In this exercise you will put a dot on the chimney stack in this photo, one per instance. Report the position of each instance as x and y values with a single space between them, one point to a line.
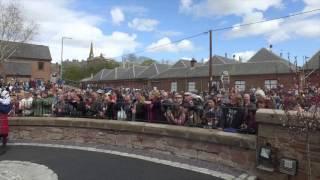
270 47
193 62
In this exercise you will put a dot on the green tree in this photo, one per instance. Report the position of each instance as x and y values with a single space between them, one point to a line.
76 72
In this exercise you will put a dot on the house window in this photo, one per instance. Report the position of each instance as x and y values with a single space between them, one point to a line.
240 85
270 84
174 87
191 86
40 66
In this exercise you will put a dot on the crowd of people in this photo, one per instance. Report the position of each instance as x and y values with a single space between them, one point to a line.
231 110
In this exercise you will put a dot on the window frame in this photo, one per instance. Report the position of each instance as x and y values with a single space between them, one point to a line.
240 85
40 66
269 84
193 85
174 86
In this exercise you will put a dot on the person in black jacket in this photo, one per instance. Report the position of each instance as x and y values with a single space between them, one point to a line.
233 113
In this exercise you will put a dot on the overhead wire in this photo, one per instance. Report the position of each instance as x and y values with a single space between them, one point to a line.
218 29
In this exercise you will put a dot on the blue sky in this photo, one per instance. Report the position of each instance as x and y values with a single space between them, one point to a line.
117 27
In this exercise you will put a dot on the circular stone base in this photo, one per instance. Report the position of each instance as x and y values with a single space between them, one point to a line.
22 170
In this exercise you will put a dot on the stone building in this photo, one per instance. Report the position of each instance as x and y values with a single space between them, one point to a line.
28 61
265 69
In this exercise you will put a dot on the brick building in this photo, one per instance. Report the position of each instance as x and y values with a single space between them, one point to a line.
28 61
265 69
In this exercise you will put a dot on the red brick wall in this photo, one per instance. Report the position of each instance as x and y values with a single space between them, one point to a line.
252 81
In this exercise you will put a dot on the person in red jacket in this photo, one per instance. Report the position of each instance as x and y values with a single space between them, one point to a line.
5 108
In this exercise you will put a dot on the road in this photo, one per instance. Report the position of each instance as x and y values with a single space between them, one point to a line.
71 164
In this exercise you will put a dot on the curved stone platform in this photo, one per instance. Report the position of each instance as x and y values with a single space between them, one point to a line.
213 146
83 165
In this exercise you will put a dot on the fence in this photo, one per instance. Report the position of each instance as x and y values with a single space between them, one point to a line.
193 116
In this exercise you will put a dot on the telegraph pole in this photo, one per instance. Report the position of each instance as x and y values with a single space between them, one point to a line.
210 62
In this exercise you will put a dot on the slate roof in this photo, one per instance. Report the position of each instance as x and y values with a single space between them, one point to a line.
184 63
100 74
267 67
19 69
314 62
222 60
265 55
30 51
153 70
132 73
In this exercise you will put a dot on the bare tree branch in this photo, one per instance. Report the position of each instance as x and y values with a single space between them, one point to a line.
14 29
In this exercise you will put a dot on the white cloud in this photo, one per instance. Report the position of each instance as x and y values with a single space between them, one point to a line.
311 4
55 20
169 33
185 4
146 25
245 55
208 8
249 10
117 16
306 26
166 45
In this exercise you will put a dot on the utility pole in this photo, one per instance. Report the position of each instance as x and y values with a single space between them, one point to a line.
210 62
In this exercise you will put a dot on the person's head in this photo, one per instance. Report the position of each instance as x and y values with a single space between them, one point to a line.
211 103
178 99
233 99
164 95
246 98
187 96
44 94
261 102
27 94
127 98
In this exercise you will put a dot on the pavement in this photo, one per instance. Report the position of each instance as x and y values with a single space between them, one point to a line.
75 164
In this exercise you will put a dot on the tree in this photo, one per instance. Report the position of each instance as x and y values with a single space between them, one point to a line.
14 29
76 72
148 62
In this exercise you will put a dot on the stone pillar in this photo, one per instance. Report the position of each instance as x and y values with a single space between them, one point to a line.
286 145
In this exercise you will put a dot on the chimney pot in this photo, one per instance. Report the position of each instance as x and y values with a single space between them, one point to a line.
193 62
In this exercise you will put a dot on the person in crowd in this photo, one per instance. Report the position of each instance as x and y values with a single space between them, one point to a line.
249 121
5 102
139 107
211 114
177 115
25 104
233 113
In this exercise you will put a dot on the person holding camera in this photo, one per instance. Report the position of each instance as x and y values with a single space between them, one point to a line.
176 113
211 114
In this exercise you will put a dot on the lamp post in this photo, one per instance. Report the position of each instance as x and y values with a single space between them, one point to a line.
63 38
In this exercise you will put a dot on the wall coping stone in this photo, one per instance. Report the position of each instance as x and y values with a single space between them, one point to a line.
279 117
195 134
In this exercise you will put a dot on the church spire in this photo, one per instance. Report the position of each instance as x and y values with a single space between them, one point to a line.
91 56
